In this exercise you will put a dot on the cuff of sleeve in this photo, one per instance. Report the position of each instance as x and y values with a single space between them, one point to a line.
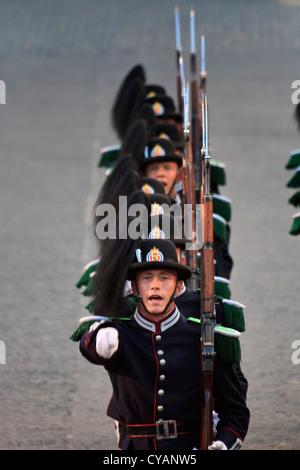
230 438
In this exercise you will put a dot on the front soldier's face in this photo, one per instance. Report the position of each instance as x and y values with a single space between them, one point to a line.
156 286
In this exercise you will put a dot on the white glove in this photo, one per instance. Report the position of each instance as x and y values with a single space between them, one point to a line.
107 342
218 445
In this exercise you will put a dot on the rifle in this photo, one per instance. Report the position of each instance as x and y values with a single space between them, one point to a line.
207 293
178 58
207 255
203 76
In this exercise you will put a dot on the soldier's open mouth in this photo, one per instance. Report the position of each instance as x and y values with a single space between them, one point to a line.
164 183
155 297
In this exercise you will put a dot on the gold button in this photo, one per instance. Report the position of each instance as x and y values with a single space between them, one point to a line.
162 362
161 392
158 338
162 377
160 408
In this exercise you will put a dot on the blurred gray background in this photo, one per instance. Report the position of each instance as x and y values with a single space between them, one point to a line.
62 62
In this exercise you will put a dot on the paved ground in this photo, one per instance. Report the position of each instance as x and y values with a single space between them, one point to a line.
62 62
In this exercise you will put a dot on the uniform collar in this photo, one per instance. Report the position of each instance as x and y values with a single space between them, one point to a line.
163 325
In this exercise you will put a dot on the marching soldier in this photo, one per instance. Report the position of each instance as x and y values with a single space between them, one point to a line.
153 363
155 158
161 161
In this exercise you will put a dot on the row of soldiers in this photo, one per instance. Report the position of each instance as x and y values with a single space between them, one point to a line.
145 333
128 168
293 164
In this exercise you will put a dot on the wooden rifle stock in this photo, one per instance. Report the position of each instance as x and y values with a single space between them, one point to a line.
207 295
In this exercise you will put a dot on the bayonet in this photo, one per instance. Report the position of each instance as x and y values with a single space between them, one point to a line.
203 72
178 58
195 118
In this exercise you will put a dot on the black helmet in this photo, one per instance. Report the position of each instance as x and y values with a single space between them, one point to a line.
158 254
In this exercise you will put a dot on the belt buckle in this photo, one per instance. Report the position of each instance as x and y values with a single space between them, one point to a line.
166 429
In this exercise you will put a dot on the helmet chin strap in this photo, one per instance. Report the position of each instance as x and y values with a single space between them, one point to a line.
172 187
166 307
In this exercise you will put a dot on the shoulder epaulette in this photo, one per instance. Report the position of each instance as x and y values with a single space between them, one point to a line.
88 290
222 206
294 182
233 311
218 175
294 160
219 228
81 330
227 343
234 314
295 227
88 269
85 323
90 306
221 287
108 155
294 200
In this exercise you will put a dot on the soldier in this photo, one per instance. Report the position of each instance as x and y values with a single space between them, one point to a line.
153 362
156 158
161 161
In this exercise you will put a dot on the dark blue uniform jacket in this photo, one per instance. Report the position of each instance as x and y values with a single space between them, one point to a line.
155 375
